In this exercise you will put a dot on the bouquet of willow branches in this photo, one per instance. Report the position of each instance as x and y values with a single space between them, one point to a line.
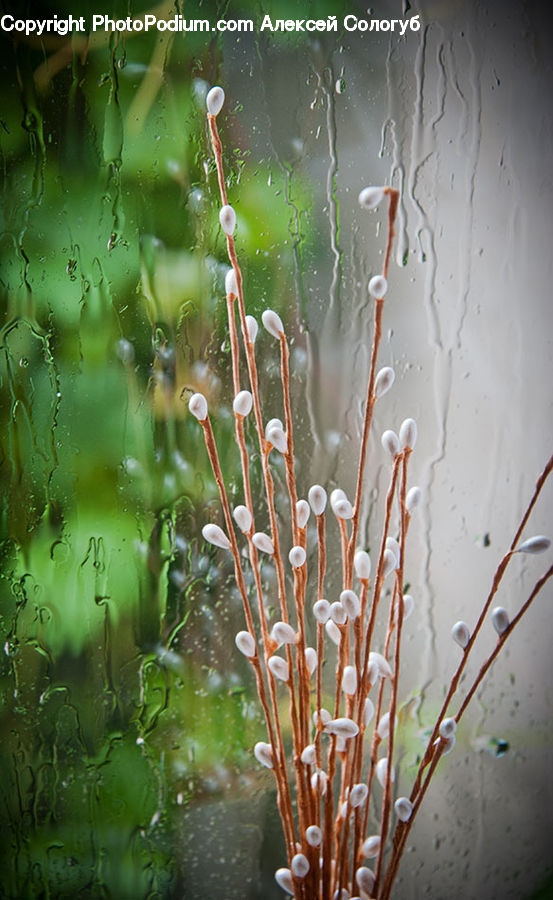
324 786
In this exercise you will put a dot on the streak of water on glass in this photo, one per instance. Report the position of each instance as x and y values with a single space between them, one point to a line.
126 704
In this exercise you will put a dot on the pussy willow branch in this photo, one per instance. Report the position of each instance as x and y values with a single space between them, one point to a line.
342 868
370 398
302 789
289 455
280 570
280 762
348 754
211 447
394 862
350 772
500 571
501 640
372 615
440 746
387 796
321 547
284 799
434 749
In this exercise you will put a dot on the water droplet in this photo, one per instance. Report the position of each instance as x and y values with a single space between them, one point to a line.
498 747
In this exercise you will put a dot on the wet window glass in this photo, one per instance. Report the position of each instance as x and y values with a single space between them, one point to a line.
129 714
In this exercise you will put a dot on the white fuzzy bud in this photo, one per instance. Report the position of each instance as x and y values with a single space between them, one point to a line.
243 403
368 711
251 328
333 632
447 728
370 197
243 518
317 499
537 544
381 771
344 807
362 565
321 611
273 423
342 727
231 285
297 557
373 673
310 659
245 643
349 680
263 753
325 717
500 619
336 496
216 536
371 846
408 434
378 287
392 544
341 507
283 633
338 613
198 407
214 100
460 634
384 668
263 542
351 604
390 442
365 879
300 865
278 667
383 728
319 781
358 795
272 323
413 499
308 755
303 511
314 836
227 218
403 808
408 606
283 878
383 381
389 563
343 510
277 438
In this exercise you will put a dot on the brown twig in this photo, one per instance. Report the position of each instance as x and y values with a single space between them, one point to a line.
387 796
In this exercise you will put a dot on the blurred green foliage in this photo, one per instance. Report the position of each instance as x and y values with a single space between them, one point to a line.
120 695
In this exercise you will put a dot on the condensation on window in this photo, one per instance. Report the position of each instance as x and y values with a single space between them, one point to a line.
128 717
